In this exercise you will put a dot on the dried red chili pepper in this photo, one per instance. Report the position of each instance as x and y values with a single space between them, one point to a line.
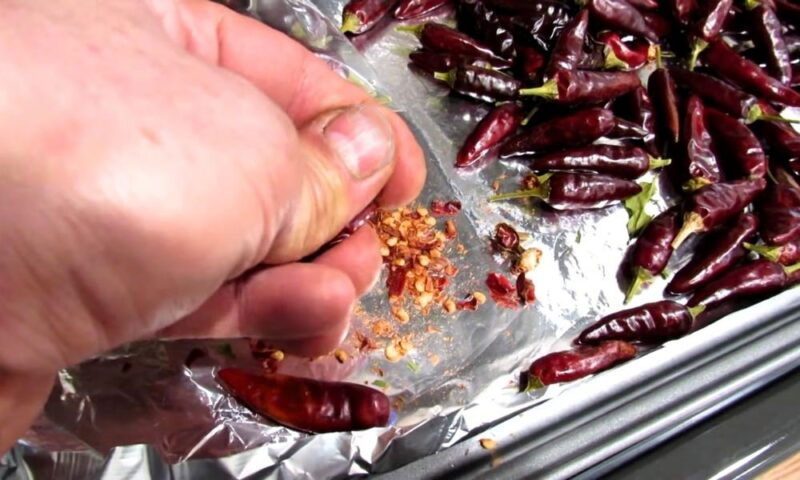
481 22
440 207
620 15
525 290
480 83
651 323
756 278
715 204
530 63
491 131
308 404
637 107
619 55
779 214
576 191
441 38
573 364
717 254
786 254
568 50
767 33
661 88
741 71
469 303
622 161
707 26
699 161
652 249
506 239
358 16
502 291
581 86
577 128
741 145
432 62
409 9
537 22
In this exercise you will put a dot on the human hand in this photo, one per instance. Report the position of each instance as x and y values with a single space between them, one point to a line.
154 151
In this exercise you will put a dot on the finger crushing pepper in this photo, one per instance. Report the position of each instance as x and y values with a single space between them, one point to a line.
410 9
579 362
783 140
432 62
644 4
651 323
752 279
480 83
529 63
739 143
581 86
746 74
707 26
492 130
652 249
715 204
779 213
476 19
441 38
786 254
622 161
539 23
620 15
568 50
767 33
717 254
358 16
700 163
577 128
619 55
307 404
576 191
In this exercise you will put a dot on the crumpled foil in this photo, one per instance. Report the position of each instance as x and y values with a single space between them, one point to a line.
139 412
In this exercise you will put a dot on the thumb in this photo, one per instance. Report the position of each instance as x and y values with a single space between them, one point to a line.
342 161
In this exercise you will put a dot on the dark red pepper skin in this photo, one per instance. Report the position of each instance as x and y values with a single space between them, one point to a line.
756 278
578 128
739 142
540 23
715 257
712 16
782 139
653 248
637 107
367 12
581 191
663 93
432 62
700 163
573 364
622 16
441 38
492 130
481 22
658 24
741 71
307 404
529 63
651 323
788 11
767 33
484 84
683 10
409 9
568 50
622 161
586 87
717 92
779 213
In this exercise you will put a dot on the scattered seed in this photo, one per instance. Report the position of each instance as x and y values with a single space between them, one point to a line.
488 443
341 355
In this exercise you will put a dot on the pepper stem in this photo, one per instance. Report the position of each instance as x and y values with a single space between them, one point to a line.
751 4
695 184
653 52
446 77
641 277
529 116
658 162
613 62
692 223
696 310
659 54
757 113
548 90
413 29
790 269
697 49
541 191
533 384
773 254
350 23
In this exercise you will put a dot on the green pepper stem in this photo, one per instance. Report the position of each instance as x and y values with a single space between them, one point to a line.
641 277
658 162
751 4
697 48
790 269
659 55
534 383
696 310
413 29
612 61
757 113
447 77
773 254
548 90
350 23
695 184
528 117
692 223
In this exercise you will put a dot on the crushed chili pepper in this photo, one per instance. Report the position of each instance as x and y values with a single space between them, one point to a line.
525 290
503 292
441 207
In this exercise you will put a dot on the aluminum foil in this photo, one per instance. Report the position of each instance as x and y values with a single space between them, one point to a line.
139 412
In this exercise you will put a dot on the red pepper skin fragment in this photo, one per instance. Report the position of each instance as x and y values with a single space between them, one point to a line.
756 278
432 62
525 290
568 50
787 254
573 364
366 215
440 207
783 140
577 128
715 204
622 161
571 87
700 163
788 11
491 131
779 212
469 303
767 34
621 15
396 281
741 145
537 23
441 38
481 83
408 9
309 405
502 291
661 88
741 71
683 10
358 16
530 63
506 239
718 92
658 24
715 257
652 249
651 324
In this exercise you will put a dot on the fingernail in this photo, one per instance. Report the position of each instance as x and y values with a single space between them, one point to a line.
363 139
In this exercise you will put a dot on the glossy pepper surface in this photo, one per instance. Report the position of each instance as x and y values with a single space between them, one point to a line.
700 163
651 323
653 249
577 128
573 364
779 214
637 107
622 161
409 9
576 191
358 16
622 16
480 83
492 130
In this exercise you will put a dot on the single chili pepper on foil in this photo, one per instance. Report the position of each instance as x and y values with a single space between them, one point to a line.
441 38
683 10
620 15
579 362
440 207
432 62
663 93
568 50
756 278
622 161
715 204
619 55
308 404
779 213
652 249
651 324
358 16
700 163
492 130
577 128
717 254
572 87
637 107
576 191
738 142
410 9
506 239
726 62
707 27
480 83
786 254
767 34
529 63
476 19
788 11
